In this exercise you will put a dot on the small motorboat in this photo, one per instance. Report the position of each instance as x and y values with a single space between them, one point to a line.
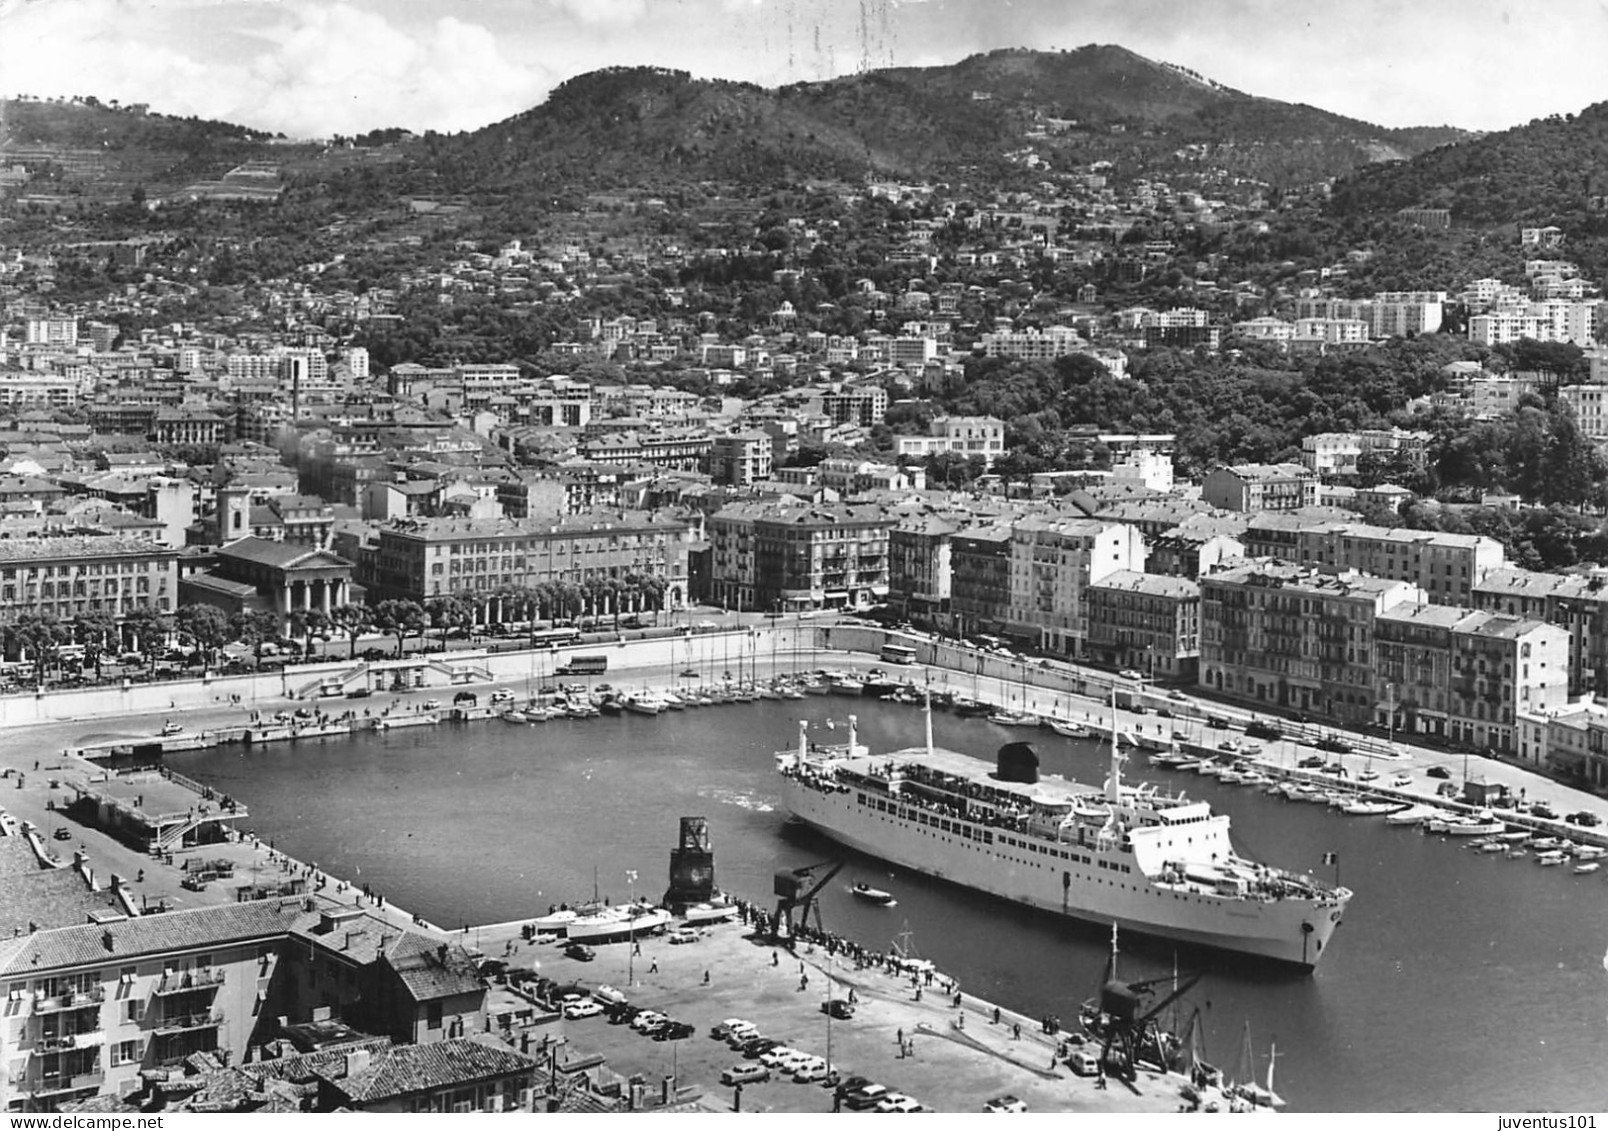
1014 719
1516 853
1069 729
1364 808
1586 869
1550 859
515 716
1414 815
1590 852
874 895
1491 847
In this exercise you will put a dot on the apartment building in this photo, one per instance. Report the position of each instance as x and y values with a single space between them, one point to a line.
477 558
1576 603
1054 561
1260 487
920 572
1444 566
70 575
980 578
1295 637
741 458
92 1006
1466 675
1147 622
965 435
821 557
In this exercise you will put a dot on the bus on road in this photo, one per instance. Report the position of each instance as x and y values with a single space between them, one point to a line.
898 654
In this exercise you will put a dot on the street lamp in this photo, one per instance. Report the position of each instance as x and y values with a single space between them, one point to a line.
630 969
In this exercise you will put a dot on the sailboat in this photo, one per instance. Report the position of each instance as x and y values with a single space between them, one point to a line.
1247 1091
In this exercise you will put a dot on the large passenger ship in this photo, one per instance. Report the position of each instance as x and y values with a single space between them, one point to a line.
1151 863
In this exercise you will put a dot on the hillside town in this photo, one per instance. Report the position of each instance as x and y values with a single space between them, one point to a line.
1093 416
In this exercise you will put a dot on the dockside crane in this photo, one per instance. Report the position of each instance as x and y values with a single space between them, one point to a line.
796 890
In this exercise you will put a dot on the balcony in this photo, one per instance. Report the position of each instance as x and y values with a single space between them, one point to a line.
78 999
49 1085
68 1042
184 981
188 1023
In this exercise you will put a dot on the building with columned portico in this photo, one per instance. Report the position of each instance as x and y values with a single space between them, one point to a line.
279 577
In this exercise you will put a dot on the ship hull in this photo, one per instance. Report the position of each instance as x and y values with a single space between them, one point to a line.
1291 932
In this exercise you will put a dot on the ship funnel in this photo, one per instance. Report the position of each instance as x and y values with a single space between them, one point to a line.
1018 762
803 738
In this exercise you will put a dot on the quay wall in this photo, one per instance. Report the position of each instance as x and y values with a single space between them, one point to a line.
738 650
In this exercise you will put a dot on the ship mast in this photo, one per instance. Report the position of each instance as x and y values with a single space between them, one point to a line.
928 713
1114 779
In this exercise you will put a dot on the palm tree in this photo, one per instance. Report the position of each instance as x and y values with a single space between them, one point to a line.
41 635
306 622
354 621
147 629
207 626
447 613
255 627
403 617
96 630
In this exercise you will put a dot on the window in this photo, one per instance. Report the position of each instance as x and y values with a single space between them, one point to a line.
433 1015
125 1052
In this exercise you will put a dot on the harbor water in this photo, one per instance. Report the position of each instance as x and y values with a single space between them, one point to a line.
1459 981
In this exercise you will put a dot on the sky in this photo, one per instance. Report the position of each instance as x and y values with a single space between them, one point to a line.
311 68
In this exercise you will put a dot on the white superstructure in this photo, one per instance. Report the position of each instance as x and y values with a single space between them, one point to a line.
1154 864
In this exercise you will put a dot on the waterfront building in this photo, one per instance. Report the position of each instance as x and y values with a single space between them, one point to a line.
68 575
980 578
477 559
280 577
1295 637
1576 603
92 1006
825 556
920 576
1054 560
1146 622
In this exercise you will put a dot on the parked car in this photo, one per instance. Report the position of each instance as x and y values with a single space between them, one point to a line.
673 1031
575 1010
646 1018
756 1047
852 1084
1332 744
1007 1103
1543 810
1310 762
1259 728
745 1074
1129 673
811 1070
1588 820
359 693
897 1101
840 1008
580 952
682 935
1443 772
864 1097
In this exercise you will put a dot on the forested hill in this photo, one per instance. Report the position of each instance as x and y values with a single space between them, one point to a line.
1547 171
639 125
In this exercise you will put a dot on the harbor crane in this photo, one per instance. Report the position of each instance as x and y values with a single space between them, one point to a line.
796 890
1121 1018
